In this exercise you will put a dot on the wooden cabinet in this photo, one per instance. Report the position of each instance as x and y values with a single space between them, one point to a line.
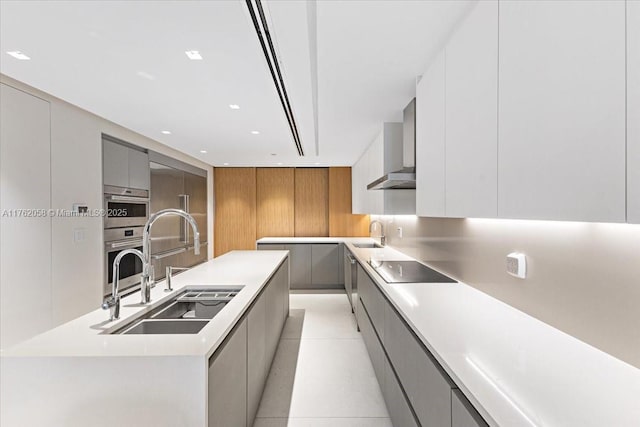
430 140
633 112
124 166
311 202
471 116
235 209
342 223
274 202
463 414
227 383
561 133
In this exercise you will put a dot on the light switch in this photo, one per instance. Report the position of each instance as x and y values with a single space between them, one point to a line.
517 265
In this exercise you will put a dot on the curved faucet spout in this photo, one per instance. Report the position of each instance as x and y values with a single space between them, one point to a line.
146 246
113 303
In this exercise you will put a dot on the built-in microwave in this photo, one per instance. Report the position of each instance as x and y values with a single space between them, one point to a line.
125 207
117 240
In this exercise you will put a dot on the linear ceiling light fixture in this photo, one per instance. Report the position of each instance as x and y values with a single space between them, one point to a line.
262 30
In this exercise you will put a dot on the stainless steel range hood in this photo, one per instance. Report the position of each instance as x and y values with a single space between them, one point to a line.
404 178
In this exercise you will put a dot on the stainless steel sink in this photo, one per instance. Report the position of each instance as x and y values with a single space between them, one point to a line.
187 313
156 326
368 245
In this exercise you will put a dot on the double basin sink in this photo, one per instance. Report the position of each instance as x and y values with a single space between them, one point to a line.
187 313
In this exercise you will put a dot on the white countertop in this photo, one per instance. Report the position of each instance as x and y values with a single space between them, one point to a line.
515 369
85 336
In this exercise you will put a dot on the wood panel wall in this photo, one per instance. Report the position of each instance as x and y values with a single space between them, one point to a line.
342 223
311 202
251 203
235 209
275 202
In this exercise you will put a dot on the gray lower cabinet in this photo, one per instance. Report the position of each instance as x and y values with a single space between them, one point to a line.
463 414
374 348
326 260
397 405
416 389
428 387
313 265
238 370
373 300
228 381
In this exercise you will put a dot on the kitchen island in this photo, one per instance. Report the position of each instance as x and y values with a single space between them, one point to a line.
79 374
513 369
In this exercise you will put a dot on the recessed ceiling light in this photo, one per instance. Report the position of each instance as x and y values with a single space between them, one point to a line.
234 106
18 55
203 151
279 163
255 132
226 164
193 55
316 163
166 132
273 154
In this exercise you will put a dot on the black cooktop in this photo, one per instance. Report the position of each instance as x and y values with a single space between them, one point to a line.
408 272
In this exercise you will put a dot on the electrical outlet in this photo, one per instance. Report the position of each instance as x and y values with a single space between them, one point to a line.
517 265
399 229
78 234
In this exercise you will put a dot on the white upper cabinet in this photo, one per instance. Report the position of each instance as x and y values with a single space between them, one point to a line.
384 155
124 166
430 143
633 111
561 133
472 115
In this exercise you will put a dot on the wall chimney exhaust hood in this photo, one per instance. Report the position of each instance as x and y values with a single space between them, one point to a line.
405 177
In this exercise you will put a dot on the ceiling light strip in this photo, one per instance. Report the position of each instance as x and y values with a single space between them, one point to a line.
262 31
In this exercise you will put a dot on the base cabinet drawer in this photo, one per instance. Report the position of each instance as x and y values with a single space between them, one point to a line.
373 301
428 387
397 405
463 414
374 348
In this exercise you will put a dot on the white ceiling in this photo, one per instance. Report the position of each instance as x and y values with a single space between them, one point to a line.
125 61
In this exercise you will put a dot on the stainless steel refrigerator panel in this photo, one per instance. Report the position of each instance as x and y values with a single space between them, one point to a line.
195 188
167 184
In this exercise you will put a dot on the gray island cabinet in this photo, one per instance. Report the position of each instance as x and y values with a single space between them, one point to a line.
239 367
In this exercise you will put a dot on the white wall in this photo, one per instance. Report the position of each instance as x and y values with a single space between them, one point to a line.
76 176
582 278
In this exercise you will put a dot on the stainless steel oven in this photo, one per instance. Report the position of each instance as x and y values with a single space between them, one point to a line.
117 240
125 207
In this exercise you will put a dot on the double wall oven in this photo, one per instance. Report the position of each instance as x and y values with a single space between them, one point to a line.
126 213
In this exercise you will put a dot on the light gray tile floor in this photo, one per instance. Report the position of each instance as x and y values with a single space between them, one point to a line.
321 375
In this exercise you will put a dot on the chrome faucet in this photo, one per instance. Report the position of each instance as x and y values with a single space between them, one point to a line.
170 271
113 303
383 239
146 247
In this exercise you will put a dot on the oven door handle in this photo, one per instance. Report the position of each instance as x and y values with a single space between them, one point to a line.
128 199
128 243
